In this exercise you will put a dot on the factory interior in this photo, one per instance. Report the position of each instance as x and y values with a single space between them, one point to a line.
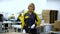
41 17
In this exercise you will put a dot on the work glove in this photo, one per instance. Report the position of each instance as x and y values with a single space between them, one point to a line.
32 26
24 31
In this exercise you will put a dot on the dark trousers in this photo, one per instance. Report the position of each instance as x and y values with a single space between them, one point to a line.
31 31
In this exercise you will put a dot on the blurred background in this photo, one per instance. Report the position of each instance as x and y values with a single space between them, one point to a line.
10 9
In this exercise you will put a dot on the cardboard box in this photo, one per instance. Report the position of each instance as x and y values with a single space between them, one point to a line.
57 25
45 11
46 15
47 21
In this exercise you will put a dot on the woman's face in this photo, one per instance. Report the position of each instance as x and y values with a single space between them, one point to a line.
31 8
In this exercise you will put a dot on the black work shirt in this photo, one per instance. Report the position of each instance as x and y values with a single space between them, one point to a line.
30 20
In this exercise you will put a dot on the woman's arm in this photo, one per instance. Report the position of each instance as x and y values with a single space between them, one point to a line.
38 21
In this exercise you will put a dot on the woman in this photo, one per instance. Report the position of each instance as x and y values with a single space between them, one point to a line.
30 20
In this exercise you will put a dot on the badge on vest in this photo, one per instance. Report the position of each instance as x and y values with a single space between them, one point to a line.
26 17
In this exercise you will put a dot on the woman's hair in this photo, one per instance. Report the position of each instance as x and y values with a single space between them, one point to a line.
33 6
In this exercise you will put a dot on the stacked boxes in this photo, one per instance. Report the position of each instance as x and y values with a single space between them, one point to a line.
49 15
53 15
46 16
